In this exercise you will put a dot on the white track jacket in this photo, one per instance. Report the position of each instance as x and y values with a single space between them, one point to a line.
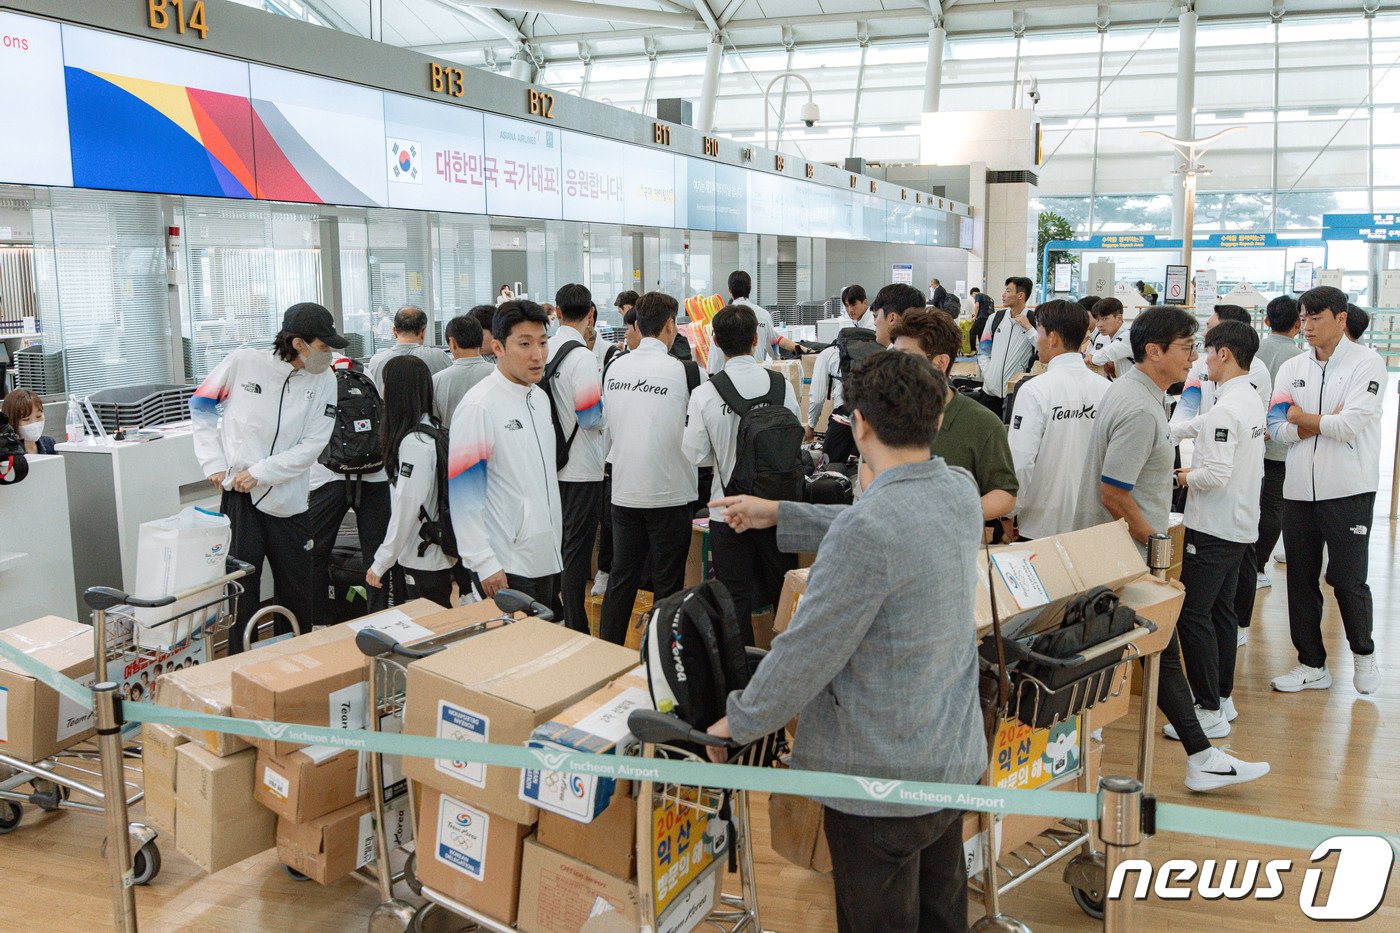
578 394
413 491
501 483
275 422
1227 465
646 398
1199 393
1345 459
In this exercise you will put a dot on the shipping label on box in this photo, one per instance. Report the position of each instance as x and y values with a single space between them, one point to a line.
73 717
394 623
462 833
462 725
1026 758
1018 573
576 796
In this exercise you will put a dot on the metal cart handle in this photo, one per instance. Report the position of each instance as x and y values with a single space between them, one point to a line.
1019 652
374 643
102 598
655 728
512 601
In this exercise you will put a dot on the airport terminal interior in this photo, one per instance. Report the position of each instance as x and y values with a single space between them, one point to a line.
339 592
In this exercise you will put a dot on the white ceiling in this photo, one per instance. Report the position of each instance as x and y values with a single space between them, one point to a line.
569 29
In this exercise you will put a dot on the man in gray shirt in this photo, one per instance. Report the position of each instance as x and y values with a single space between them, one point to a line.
464 338
881 656
1129 476
410 326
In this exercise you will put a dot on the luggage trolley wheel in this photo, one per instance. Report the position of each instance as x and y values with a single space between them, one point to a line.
294 874
10 815
1088 903
145 863
1086 875
57 793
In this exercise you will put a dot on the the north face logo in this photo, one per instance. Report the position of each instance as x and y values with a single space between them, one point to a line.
252 387
1358 530
1299 383
1016 423
880 790
514 425
1373 387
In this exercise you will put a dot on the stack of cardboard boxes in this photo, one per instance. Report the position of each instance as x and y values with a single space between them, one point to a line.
36 721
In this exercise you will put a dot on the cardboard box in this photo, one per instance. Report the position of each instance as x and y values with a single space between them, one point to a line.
35 720
1158 601
471 856
791 370
809 366
608 843
794 586
559 894
763 632
1016 830
158 771
219 823
823 419
1035 580
1176 530
330 846
640 607
497 687
795 831
310 783
327 684
596 724
208 687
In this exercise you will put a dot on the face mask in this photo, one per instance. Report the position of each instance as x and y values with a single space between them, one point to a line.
32 432
317 361
552 327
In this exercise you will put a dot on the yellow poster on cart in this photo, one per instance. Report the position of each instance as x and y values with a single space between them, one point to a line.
685 843
1026 758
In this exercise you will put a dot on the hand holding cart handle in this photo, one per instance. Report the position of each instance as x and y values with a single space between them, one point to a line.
657 728
374 643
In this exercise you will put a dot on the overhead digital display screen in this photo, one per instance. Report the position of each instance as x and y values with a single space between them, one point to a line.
593 179
522 168
434 156
732 198
649 198
31 58
317 140
700 188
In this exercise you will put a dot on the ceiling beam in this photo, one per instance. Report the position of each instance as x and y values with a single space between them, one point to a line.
703 8
603 11
486 17
332 16
730 9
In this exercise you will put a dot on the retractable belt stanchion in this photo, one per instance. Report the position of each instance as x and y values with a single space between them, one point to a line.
107 705
1159 560
1121 809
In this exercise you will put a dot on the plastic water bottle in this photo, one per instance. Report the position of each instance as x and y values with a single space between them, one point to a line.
74 423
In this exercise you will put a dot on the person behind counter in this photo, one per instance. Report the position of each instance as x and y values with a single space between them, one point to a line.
278 413
25 412
870 634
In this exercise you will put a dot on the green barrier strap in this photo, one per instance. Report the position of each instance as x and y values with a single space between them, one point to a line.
1247 827
1060 805
47 675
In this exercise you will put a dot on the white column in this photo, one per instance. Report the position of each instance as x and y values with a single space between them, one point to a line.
1185 104
933 75
709 90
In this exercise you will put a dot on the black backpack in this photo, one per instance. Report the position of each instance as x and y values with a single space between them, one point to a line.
437 532
768 446
353 449
561 443
694 654
854 344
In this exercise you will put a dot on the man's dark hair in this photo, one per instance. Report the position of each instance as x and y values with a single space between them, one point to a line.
935 332
740 284
1069 319
410 319
1282 314
628 297
283 348
1106 307
465 331
654 309
1087 302
851 294
1232 313
896 299
1022 284
513 312
1323 298
900 395
629 319
574 301
1160 326
1357 322
485 315
975 291
735 329
1239 338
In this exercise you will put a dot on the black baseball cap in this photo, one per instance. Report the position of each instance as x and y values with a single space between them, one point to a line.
309 320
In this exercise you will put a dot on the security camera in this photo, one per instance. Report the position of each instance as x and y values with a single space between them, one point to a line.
811 113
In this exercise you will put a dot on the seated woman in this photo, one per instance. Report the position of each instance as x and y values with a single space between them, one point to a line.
410 443
26 414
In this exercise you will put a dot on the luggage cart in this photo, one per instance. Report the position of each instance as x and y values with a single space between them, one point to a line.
200 626
388 681
1031 702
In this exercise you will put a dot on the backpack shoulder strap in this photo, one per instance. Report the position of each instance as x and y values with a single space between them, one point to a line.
551 369
727 391
692 375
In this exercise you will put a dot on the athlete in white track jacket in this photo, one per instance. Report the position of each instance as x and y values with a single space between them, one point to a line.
1227 464
826 373
1051 427
413 492
1199 394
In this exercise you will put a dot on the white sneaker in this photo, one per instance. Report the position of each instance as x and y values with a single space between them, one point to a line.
1262 582
1213 723
1227 708
1279 556
1216 769
600 584
1368 674
1303 677
1241 637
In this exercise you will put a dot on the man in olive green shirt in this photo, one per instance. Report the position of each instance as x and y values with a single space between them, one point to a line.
972 437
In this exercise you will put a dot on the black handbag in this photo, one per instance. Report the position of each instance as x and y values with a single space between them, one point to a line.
1089 620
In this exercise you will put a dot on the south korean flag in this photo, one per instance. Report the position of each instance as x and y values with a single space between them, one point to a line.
403 156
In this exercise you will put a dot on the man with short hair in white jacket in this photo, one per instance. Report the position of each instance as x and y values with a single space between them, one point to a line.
749 565
826 371
1222 510
278 411
502 486
1327 406
1053 422
646 394
740 288
577 398
1199 391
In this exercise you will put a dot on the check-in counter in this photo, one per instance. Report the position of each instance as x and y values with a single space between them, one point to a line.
36 548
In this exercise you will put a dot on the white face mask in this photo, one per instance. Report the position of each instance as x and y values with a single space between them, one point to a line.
317 361
32 432
552 327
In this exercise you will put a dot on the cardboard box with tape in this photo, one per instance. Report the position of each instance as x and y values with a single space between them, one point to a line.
498 687
310 783
471 856
158 773
593 606
334 844
609 842
36 721
794 586
218 822
559 894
